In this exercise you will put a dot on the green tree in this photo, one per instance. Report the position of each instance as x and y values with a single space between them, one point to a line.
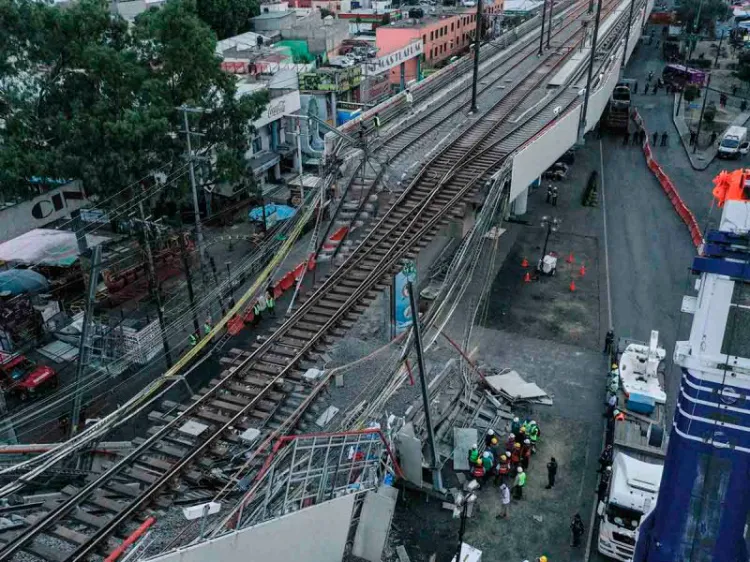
710 114
228 17
711 11
692 92
86 96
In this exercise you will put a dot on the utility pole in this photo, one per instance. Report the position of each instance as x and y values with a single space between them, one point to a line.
437 479
477 41
582 122
541 35
83 344
549 26
718 51
627 35
189 281
153 287
299 163
703 109
191 166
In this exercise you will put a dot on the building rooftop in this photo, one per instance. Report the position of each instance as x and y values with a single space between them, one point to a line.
427 19
273 16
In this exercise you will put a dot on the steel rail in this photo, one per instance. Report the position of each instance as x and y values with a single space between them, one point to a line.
377 272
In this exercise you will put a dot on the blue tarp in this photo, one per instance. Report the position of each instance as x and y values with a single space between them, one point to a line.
19 281
274 213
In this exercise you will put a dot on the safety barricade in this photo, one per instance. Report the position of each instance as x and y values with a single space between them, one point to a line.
685 214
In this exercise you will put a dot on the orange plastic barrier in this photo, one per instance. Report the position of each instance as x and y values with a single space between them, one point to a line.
669 188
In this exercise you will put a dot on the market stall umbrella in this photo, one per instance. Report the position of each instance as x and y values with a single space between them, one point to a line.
19 281
273 212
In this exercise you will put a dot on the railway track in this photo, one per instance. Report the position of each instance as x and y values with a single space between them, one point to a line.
192 439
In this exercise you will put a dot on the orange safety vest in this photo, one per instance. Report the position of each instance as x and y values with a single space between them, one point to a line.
503 468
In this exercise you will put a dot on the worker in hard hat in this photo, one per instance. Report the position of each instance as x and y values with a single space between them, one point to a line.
487 462
503 469
576 529
519 483
526 453
515 455
477 470
609 341
515 425
604 483
489 437
534 434
542 559
473 455
521 435
510 442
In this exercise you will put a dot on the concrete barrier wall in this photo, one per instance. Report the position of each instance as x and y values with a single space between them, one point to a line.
314 534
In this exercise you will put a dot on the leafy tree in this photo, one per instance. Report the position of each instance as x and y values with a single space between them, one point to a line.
228 17
710 114
711 11
86 96
692 92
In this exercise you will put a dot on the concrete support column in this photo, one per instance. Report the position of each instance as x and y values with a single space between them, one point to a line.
402 69
520 203
419 68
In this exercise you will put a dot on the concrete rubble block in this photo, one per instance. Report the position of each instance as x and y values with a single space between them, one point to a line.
326 416
463 439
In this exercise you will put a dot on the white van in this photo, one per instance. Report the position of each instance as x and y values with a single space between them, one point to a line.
734 143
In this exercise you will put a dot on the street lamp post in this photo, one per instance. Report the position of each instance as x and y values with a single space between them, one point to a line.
541 36
592 54
463 503
552 224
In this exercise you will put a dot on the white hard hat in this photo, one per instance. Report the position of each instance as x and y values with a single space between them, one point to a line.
609 469
490 432
511 436
486 454
527 442
532 422
515 419
474 446
507 454
520 469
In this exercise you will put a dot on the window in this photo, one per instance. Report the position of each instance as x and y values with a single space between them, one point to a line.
257 144
431 35
424 38
451 27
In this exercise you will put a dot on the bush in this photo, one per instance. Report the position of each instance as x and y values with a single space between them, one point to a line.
702 63
692 92
710 114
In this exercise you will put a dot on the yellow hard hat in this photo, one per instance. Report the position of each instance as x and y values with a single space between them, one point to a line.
517 445
503 458
542 559
523 429
494 441
479 462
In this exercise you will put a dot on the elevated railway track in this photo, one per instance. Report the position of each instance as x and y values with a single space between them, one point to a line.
191 439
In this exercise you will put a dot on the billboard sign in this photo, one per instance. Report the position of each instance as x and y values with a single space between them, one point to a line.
386 62
402 306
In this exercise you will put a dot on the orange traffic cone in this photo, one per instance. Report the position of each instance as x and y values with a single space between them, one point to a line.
582 271
525 263
570 258
572 286
527 278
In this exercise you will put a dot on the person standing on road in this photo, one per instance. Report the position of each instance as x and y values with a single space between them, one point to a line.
551 473
625 137
656 138
643 136
409 101
193 339
504 501
604 479
645 88
519 483
554 197
376 122
664 137
655 89
650 76
270 302
609 339
605 459
577 529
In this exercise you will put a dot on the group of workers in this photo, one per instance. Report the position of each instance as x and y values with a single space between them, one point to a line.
265 304
506 462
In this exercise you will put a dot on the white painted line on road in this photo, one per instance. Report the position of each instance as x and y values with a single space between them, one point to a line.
606 244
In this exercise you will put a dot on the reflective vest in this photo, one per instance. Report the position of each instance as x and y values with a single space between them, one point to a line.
477 471
515 456
256 309
521 479
534 433
473 456
269 302
503 468
192 340
487 463
207 328
376 120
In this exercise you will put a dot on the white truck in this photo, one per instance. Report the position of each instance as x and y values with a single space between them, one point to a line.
734 143
639 447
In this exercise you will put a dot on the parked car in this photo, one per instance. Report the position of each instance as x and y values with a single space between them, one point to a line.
21 377
558 172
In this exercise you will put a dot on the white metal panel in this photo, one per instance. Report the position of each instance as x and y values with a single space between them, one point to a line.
599 99
542 152
319 534
374 525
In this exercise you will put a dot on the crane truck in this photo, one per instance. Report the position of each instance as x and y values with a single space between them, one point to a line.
638 444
